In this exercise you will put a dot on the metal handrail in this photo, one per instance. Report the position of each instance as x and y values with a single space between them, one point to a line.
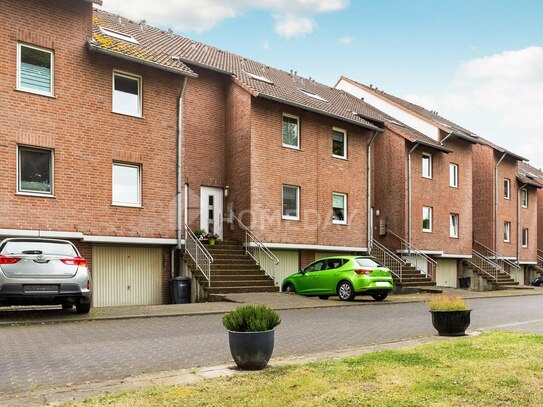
484 265
198 253
254 248
431 264
388 258
497 258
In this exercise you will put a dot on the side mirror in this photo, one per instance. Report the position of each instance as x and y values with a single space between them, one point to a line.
302 272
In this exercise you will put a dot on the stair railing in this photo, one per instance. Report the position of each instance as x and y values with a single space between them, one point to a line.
484 265
198 253
424 263
540 259
388 258
263 256
502 262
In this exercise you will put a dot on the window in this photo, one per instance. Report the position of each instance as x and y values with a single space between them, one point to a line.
118 35
291 202
524 237
35 171
333 264
426 165
35 70
454 225
126 184
507 188
316 266
339 143
453 175
126 94
426 219
339 206
506 231
291 131
524 197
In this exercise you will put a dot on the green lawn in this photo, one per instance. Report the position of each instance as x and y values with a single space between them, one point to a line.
493 369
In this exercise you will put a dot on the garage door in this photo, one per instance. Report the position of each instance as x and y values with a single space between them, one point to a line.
126 275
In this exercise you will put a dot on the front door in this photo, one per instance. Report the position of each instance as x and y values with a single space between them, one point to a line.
211 200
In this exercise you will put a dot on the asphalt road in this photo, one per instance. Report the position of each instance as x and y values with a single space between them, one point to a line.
59 354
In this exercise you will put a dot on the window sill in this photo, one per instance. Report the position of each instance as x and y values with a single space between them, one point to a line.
426 231
294 219
454 237
128 115
340 223
127 206
340 157
47 95
291 147
425 177
453 186
36 195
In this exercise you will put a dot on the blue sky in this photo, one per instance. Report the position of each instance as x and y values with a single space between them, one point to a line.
477 62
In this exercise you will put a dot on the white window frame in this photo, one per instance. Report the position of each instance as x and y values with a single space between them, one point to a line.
137 78
507 232
454 233
430 210
430 169
344 221
453 175
137 204
52 169
525 237
524 197
291 116
344 132
506 189
287 217
18 84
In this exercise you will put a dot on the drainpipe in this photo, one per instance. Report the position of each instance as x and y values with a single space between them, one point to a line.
496 193
368 192
409 220
519 236
179 169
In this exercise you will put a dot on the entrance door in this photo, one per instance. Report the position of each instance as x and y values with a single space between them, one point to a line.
211 200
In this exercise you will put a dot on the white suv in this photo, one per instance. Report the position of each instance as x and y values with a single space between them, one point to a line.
43 272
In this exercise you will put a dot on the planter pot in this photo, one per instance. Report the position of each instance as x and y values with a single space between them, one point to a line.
251 350
451 323
211 242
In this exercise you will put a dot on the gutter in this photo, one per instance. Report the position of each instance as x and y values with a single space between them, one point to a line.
139 61
519 236
368 192
496 192
409 198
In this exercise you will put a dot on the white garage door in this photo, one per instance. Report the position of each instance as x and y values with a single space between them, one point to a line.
125 275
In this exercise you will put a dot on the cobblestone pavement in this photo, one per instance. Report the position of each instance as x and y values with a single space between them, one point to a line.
64 354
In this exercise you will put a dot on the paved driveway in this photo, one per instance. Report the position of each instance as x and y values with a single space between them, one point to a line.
60 354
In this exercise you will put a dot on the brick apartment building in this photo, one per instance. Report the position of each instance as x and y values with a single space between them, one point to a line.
88 148
478 186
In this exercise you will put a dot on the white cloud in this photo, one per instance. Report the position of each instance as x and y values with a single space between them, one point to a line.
293 17
347 40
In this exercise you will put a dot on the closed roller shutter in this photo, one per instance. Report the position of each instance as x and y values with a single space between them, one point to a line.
126 275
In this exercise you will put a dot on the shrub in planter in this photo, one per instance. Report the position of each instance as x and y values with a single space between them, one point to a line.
251 335
450 315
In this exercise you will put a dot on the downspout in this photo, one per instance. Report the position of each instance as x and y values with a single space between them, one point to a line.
368 192
179 169
519 237
409 175
496 193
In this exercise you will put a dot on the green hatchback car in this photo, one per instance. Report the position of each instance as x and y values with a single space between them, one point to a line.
344 276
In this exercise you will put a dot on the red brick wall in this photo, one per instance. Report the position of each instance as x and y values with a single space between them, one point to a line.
483 195
529 219
507 208
85 135
314 170
539 219
306 257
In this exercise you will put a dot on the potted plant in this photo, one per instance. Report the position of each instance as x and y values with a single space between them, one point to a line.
251 335
211 238
450 315
199 233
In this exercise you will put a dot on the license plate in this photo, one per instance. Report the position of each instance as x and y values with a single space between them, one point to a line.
41 288
382 284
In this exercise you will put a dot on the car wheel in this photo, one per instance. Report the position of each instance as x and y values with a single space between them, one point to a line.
289 288
67 306
380 297
83 308
345 291
324 297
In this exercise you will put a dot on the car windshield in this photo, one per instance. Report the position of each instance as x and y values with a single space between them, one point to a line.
26 247
361 262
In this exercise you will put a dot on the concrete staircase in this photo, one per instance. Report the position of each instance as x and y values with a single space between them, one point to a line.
489 271
233 271
412 277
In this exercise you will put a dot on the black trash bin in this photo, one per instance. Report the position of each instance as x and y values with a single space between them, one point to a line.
180 290
464 282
